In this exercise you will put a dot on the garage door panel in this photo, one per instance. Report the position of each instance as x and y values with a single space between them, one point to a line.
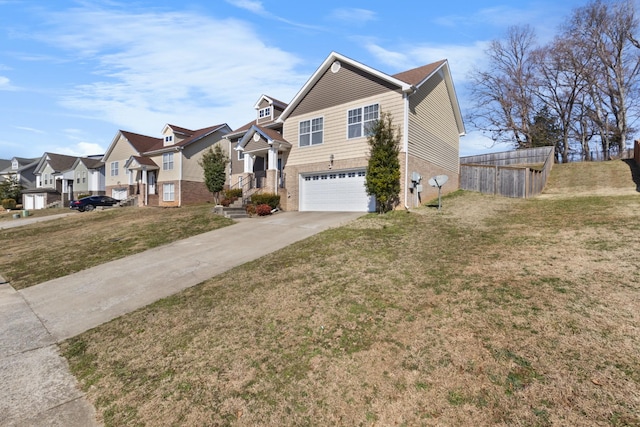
335 191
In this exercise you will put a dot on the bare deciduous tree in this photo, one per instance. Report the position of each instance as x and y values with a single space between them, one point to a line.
606 30
504 94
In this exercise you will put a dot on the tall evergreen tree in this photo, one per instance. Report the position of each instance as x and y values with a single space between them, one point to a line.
214 163
383 169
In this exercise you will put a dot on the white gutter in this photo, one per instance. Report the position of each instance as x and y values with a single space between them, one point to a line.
405 143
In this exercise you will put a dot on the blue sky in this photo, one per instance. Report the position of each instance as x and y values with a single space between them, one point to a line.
72 73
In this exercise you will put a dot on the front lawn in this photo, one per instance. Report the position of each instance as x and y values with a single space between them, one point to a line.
35 253
494 312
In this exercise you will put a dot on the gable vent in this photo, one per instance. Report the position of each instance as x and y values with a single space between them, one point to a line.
335 67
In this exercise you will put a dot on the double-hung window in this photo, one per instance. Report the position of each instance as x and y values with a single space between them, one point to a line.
311 132
265 112
114 168
167 161
360 121
168 192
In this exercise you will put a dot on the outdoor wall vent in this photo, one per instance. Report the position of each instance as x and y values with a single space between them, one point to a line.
335 67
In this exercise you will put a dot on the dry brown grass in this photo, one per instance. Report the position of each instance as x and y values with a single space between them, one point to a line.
35 253
493 312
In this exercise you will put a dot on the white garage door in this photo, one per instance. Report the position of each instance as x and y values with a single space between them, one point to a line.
39 202
29 201
339 191
119 193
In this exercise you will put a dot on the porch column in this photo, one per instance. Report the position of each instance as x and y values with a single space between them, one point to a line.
248 163
145 181
272 169
272 158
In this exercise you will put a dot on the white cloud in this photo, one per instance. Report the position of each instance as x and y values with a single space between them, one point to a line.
353 16
251 6
463 59
80 149
28 129
187 69
5 84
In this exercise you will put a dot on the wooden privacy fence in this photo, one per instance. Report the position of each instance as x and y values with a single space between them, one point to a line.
519 173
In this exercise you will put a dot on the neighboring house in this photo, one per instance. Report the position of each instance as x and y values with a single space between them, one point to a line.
61 178
314 150
161 171
20 168
86 177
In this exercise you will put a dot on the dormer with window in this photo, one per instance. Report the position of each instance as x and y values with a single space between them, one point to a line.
15 164
168 140
268 109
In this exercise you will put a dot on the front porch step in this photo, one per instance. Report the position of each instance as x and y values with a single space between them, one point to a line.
232 212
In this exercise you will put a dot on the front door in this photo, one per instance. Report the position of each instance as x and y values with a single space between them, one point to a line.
152 182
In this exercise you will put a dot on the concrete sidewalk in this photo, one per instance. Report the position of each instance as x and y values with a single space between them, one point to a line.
38 388
12 223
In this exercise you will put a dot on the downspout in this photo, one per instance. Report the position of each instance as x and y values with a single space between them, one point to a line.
405 143
180 180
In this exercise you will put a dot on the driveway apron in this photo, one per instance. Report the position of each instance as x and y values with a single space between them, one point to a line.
36 379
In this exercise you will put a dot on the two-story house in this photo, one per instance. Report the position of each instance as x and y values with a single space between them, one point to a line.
314 150
21 169
60 178
161 171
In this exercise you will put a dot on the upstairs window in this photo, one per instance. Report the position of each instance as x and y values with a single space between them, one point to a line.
264 112
168 138
167 161
114 168
311 132
360 120
240 155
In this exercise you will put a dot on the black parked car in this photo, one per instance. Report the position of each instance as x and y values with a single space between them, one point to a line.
89 203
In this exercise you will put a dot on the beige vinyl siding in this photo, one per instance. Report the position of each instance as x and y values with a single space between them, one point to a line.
191 169
433 134
334 89
120 153
335 130
168 175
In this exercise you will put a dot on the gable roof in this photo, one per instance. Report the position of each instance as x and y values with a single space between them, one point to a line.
141 143
192 136
57 162
334 56
418 75
89 162
407 81
271 100
269 134
4 164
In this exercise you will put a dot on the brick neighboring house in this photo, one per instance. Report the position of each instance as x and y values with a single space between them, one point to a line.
314 150
161 171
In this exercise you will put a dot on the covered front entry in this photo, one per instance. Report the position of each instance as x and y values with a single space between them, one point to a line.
337 191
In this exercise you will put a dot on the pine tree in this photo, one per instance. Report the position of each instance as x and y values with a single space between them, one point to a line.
383 170
214 163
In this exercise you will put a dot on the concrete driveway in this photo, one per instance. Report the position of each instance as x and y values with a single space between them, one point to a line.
38 388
